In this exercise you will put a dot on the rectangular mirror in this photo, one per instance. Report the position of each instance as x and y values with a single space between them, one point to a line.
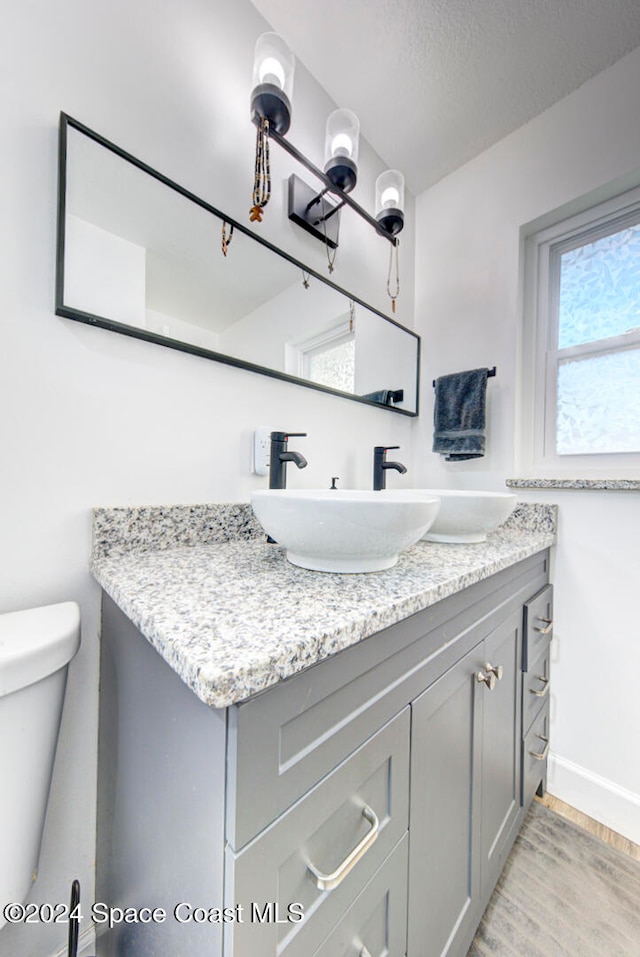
140 255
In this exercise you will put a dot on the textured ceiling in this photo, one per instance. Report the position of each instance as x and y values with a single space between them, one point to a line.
435 82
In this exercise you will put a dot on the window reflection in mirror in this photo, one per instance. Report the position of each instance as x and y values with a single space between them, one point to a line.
140 255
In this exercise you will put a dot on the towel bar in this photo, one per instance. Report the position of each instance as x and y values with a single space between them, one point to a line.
490 374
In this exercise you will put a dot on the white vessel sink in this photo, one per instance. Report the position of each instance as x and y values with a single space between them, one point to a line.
337 530
466 516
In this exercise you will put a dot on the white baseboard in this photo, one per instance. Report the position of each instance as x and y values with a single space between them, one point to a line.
604 801
86 944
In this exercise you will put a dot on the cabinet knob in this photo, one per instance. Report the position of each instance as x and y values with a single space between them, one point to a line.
489 679
497 670
547 625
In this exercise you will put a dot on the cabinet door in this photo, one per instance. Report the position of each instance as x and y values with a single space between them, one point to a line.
444 872
500 755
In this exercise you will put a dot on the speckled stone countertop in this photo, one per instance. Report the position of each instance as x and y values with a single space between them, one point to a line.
232 616
615 485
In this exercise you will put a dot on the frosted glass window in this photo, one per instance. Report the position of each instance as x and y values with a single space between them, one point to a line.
600 289
581 344
598 404
334 366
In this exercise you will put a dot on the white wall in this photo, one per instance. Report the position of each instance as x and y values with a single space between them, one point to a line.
104 274
93 418
469 231
294 314
385 359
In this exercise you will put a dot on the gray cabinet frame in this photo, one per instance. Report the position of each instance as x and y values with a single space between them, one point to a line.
182 786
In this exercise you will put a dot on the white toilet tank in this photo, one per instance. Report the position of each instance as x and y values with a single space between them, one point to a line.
35 648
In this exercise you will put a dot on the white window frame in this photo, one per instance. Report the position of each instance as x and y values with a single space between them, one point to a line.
299 352
539 353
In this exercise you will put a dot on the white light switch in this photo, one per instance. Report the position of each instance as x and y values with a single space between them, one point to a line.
261 449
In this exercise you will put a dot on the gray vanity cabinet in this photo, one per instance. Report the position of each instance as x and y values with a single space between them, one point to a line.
465 791
378 791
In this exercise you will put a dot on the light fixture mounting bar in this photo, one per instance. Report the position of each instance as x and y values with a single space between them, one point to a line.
344 198
313 211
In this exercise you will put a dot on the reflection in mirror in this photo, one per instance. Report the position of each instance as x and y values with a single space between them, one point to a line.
140 255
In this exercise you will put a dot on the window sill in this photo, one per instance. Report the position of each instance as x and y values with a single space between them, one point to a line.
617 485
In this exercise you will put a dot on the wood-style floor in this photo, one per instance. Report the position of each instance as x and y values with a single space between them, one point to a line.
593 827
564 892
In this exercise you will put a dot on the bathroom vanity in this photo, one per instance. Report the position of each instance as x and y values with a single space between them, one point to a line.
308 764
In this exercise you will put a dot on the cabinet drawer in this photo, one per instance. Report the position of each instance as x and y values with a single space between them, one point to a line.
321 852
538 625
376 922
535 688
535 747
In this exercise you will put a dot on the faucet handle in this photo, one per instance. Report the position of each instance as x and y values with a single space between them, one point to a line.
280 436
385 448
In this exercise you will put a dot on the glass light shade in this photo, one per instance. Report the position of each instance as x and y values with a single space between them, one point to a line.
272 89
390 201
341 144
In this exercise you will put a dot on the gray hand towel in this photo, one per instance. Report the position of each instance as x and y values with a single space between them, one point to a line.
459 416
383 396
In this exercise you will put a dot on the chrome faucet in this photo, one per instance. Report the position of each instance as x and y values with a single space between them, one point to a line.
380 465
279 455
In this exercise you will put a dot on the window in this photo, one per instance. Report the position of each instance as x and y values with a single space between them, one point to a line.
581 356
327 358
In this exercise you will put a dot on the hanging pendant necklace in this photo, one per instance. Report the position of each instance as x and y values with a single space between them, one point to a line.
226 237
393 295
331 258
262 174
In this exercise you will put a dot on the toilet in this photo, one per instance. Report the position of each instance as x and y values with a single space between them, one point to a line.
36 647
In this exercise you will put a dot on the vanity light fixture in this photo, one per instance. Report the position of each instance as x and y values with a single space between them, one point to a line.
390 216
341 143
390 201
273 68
316 211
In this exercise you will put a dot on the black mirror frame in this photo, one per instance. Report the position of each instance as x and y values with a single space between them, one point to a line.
67 312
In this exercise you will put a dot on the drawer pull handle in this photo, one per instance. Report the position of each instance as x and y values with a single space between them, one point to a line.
541 756
326 882
548 625
489 679
545 687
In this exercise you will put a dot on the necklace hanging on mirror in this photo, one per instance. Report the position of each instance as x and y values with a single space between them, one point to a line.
305 279
262 173
352 315
226 237
393 295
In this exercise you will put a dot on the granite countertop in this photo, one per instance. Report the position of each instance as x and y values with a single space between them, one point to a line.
603 484
232 616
